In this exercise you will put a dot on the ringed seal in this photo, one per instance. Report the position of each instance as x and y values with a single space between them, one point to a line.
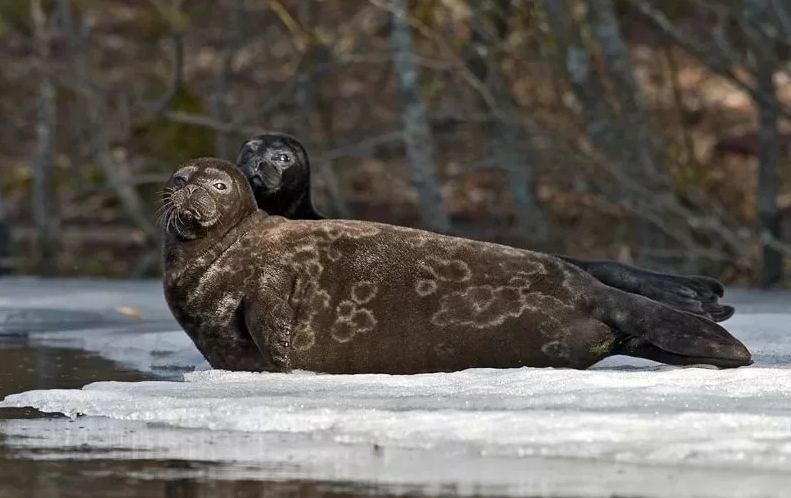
278 169
262 293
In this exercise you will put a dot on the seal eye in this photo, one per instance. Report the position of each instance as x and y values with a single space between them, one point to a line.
179 181
220 186
283 158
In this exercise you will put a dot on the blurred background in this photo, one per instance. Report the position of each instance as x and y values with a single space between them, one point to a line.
651 132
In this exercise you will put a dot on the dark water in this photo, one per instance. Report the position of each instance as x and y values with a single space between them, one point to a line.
24 367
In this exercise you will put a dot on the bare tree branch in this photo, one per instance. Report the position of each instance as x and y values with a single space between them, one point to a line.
638 140
783 14
508 137
718 61
230 46
117 175
309 79
158 107
417 134
361 147
209 122
170 15
464 72
303 91
578 66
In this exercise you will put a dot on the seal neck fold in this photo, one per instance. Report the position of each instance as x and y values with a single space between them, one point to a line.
191 255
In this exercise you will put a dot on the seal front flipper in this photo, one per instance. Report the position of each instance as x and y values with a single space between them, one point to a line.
694 294
267 319
657 332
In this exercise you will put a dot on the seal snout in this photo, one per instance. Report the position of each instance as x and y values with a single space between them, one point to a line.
198 207
270 175
252 170
192 206
192 214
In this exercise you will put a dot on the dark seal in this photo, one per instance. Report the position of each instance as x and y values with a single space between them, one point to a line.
278 169
263 293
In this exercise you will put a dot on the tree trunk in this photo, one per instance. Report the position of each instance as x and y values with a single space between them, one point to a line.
222 145
308 98
637 139
507 136
44 196
770 271
303 91
417 133
577 64
6 263
117 175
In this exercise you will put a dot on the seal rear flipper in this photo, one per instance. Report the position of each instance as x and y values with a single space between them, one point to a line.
643 349
657 332
694 294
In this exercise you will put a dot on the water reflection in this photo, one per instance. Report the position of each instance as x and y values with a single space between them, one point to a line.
28 367
102 479
51 368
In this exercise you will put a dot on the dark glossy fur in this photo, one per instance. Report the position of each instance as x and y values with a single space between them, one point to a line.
280 187
263 293
290 197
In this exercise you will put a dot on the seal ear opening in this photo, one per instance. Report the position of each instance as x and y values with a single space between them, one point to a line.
657 332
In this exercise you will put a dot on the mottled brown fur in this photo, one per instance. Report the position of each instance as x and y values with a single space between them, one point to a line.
258 292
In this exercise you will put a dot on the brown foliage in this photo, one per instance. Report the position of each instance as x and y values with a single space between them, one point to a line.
119 113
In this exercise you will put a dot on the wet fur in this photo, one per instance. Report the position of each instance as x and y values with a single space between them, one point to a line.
695 294
264 293
291 199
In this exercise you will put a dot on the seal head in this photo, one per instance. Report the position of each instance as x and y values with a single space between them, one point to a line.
277 168
200 199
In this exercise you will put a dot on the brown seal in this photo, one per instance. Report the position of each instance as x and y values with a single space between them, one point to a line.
278 169
262 293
